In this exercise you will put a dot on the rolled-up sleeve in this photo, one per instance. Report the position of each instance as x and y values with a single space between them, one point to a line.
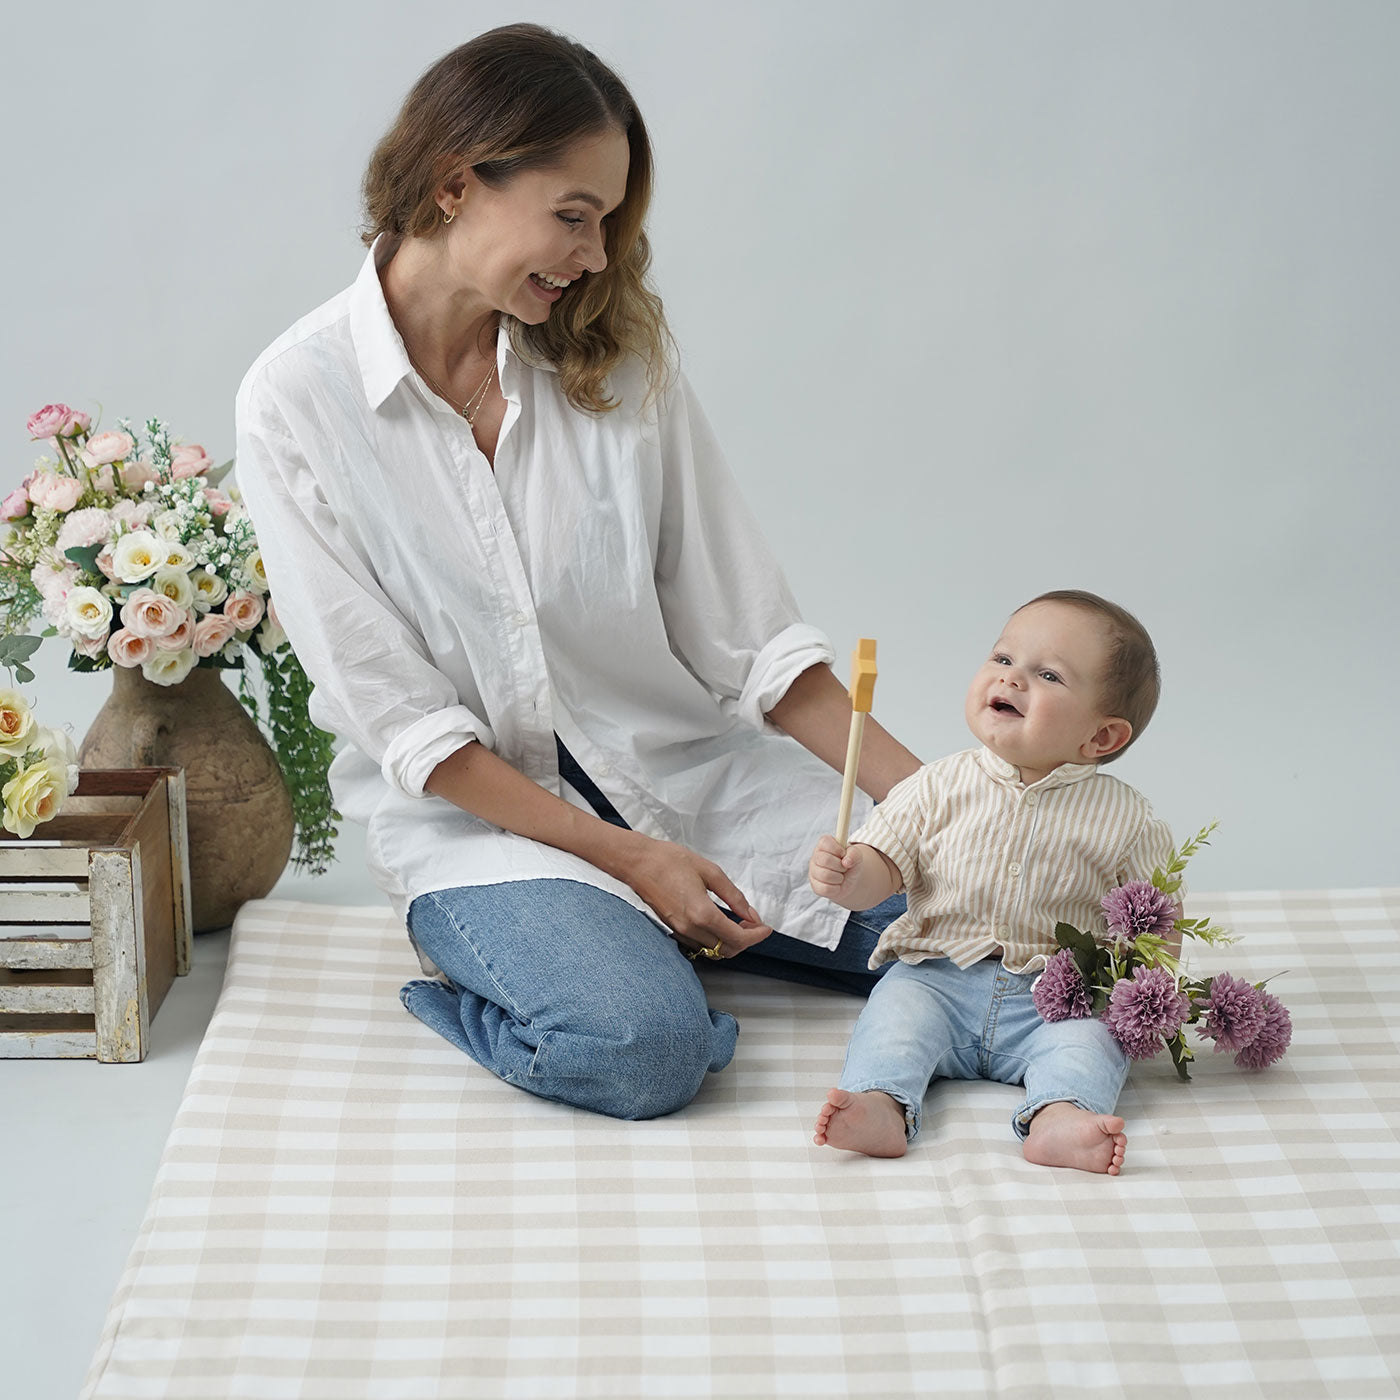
374 682
729 612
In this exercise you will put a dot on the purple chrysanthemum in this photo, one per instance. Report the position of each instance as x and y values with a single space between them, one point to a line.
1059 993
1272 1038
1139 907
1145 1009
1234 1013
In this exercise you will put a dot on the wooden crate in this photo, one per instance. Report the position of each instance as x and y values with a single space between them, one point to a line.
95 919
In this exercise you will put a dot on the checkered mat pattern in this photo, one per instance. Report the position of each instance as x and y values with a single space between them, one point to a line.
347 1208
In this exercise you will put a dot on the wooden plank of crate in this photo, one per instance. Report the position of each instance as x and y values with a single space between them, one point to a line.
46 952
119 956
117 782
40 906
52 991
55 1037
36 861
180 868
150 834
87 829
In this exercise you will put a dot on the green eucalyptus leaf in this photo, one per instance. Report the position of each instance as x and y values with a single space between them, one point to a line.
85 557
17 649
216 474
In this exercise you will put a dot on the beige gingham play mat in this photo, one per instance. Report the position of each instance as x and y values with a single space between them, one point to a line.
348 1208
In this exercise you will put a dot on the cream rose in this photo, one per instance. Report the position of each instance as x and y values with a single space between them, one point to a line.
254 572
151 614
174 582
209 589
168 667
127 649
87 613
16 722
137 556
32 796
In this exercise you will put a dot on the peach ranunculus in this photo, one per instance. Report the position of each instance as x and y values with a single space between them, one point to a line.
56 420
212 633
127 649
136 476
189 460
111 446
219 504
244 610
55 492
151 614
180 638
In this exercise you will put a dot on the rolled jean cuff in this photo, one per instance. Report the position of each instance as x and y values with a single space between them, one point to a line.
913 1112
1021 1119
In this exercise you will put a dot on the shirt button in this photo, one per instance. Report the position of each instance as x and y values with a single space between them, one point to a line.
605 769
1030 799
520 619
1013 869
1004 931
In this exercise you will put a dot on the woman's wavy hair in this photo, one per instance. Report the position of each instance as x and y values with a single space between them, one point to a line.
515 99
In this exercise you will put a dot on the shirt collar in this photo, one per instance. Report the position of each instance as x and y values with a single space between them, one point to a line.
379 347
1005 772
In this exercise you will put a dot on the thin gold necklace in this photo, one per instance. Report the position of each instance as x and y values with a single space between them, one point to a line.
472 407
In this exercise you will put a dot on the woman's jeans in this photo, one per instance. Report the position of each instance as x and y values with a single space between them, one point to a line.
934 1019
571 993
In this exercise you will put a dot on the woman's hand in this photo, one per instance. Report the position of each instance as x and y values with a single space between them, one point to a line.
676 884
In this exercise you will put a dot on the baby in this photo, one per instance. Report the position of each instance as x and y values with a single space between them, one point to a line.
994 845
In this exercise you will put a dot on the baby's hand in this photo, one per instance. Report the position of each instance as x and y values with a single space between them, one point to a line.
830 866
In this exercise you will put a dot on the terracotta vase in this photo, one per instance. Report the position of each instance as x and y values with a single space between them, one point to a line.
240 814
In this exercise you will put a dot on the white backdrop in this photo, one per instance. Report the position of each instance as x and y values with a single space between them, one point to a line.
983 299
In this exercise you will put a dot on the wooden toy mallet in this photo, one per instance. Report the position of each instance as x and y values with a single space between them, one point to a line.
862 697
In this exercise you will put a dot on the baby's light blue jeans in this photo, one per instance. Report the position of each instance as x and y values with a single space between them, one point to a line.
935 1020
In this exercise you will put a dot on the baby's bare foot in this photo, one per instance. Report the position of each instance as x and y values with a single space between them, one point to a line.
1065 1135
872 1123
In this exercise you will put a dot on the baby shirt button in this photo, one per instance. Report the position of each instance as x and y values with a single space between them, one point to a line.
1013 869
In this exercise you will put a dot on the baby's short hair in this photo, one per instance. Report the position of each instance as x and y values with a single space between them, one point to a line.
1132 679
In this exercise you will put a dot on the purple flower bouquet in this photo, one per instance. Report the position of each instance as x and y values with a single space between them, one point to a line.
1129 975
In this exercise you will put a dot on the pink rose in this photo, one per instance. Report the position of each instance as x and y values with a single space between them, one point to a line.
132 514
105 481
108 447
127 649
53 420
104 562
190 460
219 504
15 506
91 646
212 633
180 638
136 474
244 610
78 422
151 614
54 491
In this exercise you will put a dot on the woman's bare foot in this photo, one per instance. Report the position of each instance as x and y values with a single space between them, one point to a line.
871 1122
1065 1135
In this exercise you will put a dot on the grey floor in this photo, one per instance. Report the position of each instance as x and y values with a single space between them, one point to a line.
79 1146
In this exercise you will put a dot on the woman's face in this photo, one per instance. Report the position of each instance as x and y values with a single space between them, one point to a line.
520 246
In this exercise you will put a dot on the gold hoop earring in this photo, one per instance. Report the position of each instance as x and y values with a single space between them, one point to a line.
447 218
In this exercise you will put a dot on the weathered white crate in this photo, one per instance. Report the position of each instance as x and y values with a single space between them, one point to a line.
95 920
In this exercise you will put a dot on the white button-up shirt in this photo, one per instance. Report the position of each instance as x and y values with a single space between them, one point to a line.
605 582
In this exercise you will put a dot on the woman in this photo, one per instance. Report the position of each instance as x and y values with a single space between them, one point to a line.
509 555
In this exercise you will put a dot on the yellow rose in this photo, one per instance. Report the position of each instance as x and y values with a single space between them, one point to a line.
16 722
31 797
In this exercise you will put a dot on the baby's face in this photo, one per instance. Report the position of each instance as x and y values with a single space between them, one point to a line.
1036 700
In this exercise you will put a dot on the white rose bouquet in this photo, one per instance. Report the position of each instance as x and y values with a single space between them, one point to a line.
132 554
38 767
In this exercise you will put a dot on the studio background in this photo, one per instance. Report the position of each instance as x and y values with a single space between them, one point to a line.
982 299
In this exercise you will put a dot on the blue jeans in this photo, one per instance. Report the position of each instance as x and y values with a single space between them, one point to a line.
569 992
936 1020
